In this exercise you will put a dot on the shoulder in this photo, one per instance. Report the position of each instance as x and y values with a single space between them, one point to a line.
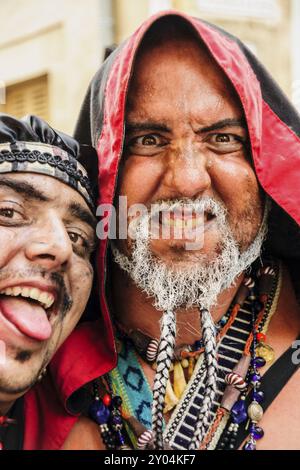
84 435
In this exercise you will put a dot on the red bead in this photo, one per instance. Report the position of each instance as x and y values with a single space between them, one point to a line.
106 399
2 420
261 337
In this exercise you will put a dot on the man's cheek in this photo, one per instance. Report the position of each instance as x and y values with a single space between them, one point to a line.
82 278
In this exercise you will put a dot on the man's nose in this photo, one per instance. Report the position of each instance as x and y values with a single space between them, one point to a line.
187 171
49 245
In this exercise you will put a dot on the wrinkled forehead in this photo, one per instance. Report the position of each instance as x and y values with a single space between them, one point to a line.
172 46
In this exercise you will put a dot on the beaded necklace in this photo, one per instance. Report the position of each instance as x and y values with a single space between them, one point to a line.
184 360
234 412
241 341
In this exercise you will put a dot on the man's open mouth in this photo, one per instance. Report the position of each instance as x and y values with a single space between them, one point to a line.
29 309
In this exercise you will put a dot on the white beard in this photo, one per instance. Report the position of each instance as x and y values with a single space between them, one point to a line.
200 283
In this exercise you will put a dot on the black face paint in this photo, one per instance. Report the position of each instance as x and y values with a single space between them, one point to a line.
23 356
65 302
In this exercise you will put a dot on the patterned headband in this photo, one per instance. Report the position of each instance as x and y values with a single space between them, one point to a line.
36 157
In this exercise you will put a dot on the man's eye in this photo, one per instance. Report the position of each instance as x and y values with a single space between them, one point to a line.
77 239
146 140
224 138
225 142
9 213
148 144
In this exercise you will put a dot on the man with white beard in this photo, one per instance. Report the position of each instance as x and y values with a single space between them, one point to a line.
203 331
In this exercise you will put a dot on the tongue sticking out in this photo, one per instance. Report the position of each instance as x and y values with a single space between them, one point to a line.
30 319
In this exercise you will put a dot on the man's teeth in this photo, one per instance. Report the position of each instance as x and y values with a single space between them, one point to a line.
45 298
183 223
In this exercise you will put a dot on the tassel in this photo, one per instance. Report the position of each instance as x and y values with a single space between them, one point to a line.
171 399
191 367
179 380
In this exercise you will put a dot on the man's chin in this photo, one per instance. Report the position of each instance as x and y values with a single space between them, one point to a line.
10 388
183 254
18 375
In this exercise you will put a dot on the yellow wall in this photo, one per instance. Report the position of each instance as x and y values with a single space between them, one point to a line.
58 38
269 39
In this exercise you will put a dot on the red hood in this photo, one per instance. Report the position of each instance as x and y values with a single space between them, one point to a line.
270 117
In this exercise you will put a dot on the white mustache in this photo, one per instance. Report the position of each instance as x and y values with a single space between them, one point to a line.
197 206
141 226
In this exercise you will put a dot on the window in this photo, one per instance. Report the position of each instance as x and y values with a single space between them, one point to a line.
30 97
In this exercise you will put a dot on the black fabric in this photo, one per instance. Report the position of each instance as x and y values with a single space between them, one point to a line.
34 129
90 120
12 435
272 382
79 401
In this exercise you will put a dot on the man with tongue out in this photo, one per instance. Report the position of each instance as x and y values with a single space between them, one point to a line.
47 237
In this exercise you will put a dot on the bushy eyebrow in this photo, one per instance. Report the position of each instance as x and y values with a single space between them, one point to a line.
160 127
28 190
25 189
79 212
146 126
224 123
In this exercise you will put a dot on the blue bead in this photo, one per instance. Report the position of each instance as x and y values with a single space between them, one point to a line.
258 396
255 377
258 362
239 412
121 439
198 344
256 432
99 412
117 420
249 446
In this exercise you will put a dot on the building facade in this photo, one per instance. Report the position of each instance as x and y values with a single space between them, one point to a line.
50 49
